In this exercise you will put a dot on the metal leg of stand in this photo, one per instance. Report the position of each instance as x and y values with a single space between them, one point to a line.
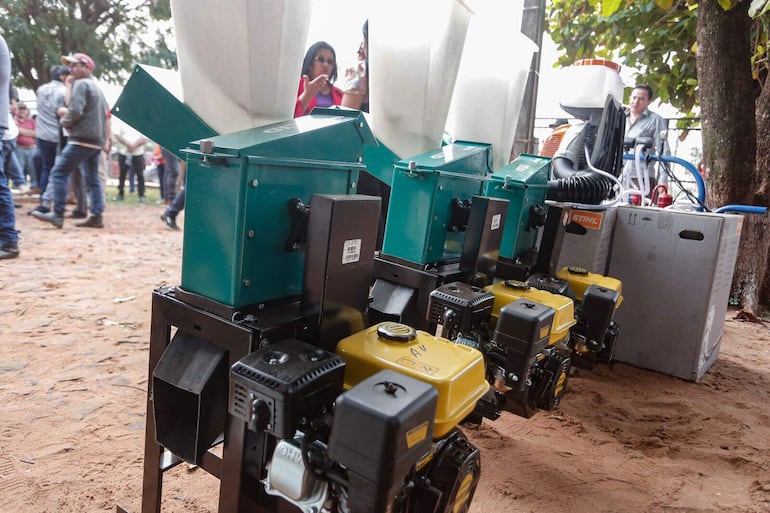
168 312
152 481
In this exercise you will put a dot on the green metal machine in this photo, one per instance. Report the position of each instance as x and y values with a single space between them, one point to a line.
439 228
247 195
247 192
524 183
420 225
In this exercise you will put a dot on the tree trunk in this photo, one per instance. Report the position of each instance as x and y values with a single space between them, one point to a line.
728 95
763 192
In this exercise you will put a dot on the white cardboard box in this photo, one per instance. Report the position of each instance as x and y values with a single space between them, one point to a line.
676 269
587 239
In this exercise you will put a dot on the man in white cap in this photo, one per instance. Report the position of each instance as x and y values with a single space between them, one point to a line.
84 115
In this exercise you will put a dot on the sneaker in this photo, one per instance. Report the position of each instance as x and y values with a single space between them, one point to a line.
9 250
95 221
141 199
39 208
119 197
170 221
50 217
77 214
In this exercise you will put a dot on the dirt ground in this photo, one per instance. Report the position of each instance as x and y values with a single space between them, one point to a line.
74 332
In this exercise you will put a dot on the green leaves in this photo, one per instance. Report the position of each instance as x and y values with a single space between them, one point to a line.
639 35
758 8
610 7
112 32
725 4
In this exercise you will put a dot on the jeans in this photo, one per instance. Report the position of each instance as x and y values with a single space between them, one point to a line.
12 168
79 190
48 152
177 205
8 233
26 158
71 157
137 167
161 168
172 174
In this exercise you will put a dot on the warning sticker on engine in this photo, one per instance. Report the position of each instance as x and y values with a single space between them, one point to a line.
496 221
351 251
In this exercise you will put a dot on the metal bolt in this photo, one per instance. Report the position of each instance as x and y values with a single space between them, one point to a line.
360 124
247 283
353 185
251 234
254 182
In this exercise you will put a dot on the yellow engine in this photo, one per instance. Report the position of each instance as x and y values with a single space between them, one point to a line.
580 279
597 297
508 291
457 372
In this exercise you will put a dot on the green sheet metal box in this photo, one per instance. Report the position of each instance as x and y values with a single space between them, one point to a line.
420 209
239 190
523 183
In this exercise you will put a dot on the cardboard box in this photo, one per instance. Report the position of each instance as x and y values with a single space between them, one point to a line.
587 239
676 268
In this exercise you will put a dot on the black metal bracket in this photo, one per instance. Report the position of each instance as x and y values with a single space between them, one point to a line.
299 214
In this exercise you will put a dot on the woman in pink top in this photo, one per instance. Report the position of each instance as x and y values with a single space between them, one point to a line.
316 87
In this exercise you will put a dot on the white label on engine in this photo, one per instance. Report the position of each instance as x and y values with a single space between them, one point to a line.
496 221
351 251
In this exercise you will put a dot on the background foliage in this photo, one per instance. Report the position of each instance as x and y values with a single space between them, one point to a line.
657 37
112 32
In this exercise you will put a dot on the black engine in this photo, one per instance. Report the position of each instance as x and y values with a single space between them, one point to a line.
366 450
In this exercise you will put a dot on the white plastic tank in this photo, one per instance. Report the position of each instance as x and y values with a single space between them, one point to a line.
414 54
492 79
240 60
588 82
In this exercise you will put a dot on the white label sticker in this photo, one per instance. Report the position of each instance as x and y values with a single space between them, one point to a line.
351 251
496 221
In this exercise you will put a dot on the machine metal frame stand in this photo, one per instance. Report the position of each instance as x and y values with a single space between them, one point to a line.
238 339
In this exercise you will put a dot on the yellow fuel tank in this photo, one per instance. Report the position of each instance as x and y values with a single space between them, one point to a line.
580 279
510 290
456 371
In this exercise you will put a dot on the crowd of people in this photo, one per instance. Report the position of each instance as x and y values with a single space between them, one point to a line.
62 152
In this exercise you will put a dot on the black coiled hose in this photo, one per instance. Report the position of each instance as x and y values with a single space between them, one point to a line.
577 187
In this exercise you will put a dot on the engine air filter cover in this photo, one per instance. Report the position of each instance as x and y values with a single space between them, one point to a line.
563 306
274 387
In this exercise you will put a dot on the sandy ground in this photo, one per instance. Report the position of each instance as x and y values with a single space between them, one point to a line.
74 331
